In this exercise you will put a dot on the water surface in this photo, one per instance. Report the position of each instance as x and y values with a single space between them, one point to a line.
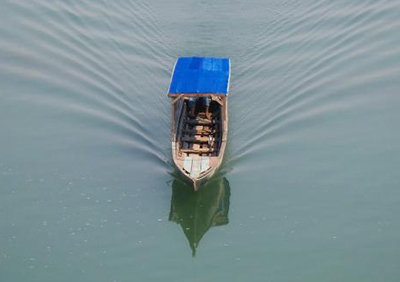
309 190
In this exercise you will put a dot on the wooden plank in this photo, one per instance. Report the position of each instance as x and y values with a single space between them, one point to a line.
205 163
199 122
199 151
197 132
195 139
187 164
196 166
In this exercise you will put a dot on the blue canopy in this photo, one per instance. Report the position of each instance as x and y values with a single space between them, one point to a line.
200 75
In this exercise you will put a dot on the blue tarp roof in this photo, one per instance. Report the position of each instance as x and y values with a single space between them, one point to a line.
200 75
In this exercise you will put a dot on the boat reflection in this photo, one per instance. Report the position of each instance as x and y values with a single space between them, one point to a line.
197 211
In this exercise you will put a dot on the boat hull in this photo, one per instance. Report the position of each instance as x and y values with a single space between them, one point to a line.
195 183
180 157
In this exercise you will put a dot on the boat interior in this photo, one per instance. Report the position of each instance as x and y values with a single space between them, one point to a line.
200 130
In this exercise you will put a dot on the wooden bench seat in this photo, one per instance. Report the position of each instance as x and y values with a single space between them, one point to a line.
199 151
195 139
200 122
205 132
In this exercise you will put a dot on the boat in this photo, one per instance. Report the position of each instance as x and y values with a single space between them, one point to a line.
199 116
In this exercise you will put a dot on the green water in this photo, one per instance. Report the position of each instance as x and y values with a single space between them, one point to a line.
310 186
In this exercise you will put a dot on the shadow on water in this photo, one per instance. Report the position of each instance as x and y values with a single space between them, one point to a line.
196 212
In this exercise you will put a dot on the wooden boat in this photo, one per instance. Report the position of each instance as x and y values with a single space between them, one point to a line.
199 116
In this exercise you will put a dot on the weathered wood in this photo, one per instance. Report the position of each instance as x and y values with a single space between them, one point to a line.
197 132
196 147
200 151
196 139
200 122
